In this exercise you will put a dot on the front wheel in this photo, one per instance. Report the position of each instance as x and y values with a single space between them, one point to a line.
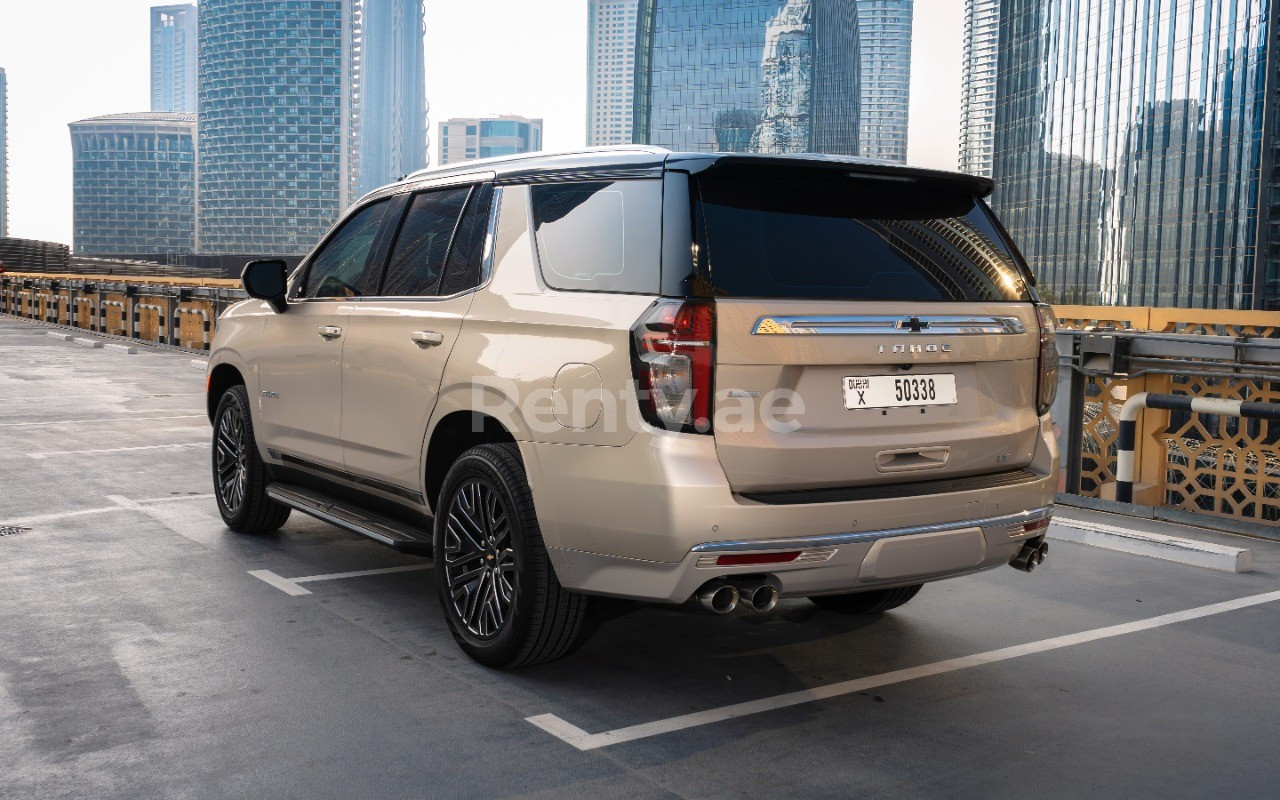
499 592
873 602
239 475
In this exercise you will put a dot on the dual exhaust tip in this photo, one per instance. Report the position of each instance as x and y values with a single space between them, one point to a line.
1032 554
722 597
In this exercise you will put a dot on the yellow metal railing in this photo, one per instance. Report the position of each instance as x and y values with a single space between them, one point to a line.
1215 465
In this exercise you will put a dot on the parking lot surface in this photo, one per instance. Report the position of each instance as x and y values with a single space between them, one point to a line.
146 651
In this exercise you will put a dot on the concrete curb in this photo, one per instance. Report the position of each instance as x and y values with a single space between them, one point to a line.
65 337
1153 545
124 348
88 343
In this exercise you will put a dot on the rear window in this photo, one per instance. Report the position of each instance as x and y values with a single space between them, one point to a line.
600 236
834 235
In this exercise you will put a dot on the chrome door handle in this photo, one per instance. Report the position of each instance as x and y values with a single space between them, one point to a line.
427 338
330 331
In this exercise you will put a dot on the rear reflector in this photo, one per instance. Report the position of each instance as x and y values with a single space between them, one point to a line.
757 558
1038 525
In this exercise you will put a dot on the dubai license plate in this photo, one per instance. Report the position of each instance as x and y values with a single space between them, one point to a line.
896 391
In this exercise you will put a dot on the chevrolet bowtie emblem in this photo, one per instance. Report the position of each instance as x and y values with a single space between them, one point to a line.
914 324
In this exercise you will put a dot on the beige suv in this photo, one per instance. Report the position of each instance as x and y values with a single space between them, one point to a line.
649 375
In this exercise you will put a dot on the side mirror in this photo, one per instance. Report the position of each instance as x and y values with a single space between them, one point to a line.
267 280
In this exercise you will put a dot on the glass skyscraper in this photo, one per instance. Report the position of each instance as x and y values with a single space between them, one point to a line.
279 123
611 47
134 184
978 86
468 138
393 114
1135 149
885 32
748 75
4 155
173 58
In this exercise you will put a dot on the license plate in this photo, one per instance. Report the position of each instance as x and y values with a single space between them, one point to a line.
896 391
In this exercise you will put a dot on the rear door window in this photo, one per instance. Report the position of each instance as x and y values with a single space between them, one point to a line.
599 236
418 255
466 257
834 236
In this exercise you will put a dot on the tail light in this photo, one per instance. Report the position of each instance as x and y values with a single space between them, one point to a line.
672 354
1047 389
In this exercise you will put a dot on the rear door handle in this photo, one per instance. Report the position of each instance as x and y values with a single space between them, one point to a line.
427 338
330 331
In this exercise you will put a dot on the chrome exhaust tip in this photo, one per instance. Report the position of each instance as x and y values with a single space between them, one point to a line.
718 598
761 597
1032 554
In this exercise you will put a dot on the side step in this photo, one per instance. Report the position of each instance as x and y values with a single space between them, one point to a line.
388 531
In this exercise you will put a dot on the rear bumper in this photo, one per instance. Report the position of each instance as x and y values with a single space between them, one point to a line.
633 521
833 564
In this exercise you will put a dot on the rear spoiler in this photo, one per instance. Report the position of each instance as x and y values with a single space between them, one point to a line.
959 182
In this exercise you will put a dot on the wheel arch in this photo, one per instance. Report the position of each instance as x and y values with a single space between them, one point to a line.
452 436
221 378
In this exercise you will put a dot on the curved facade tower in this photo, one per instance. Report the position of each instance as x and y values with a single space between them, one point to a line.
770 76
393 118
279 123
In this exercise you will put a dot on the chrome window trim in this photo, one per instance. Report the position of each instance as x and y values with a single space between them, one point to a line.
888 325
836 539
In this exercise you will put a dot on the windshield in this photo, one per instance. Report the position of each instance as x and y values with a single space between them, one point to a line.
830 234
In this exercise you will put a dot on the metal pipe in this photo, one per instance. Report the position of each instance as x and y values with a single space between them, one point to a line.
1126 439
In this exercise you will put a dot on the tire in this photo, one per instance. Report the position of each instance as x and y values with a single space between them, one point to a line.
497 588
239 475
874 602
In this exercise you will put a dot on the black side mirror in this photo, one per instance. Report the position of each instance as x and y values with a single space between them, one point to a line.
267 280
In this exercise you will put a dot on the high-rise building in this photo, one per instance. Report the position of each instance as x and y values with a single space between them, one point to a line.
885 33
173 58
978 86
279 123
393 105
467 138
1146 180
611 48
134 184
748 75
4 154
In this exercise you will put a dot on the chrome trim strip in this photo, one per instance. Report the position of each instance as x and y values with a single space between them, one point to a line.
880 325
836 539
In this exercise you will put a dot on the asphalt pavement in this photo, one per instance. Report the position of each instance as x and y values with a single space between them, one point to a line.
148 652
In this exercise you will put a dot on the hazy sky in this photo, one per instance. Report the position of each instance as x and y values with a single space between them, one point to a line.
483 57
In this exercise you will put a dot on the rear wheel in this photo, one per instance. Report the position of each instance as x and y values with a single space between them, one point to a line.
239 475
500 595
873 602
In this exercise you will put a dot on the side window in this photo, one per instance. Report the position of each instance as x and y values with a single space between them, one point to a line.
417 258
339 269
466 256
600 236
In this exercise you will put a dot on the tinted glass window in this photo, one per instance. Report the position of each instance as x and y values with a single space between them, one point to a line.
602 236
339 269
417 257
830 235
467 255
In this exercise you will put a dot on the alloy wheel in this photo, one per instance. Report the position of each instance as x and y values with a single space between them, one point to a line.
479 562
232 462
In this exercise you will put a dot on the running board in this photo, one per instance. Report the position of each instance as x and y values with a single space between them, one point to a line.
388 531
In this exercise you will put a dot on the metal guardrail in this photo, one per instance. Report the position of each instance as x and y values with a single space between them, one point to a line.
161 312
1225 470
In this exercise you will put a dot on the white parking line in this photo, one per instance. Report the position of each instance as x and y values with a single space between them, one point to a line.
178 446
93 421
290 585
132 505
590 741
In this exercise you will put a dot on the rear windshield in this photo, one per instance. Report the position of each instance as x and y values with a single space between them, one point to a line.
834 235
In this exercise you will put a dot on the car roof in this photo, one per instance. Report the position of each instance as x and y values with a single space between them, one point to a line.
636 160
